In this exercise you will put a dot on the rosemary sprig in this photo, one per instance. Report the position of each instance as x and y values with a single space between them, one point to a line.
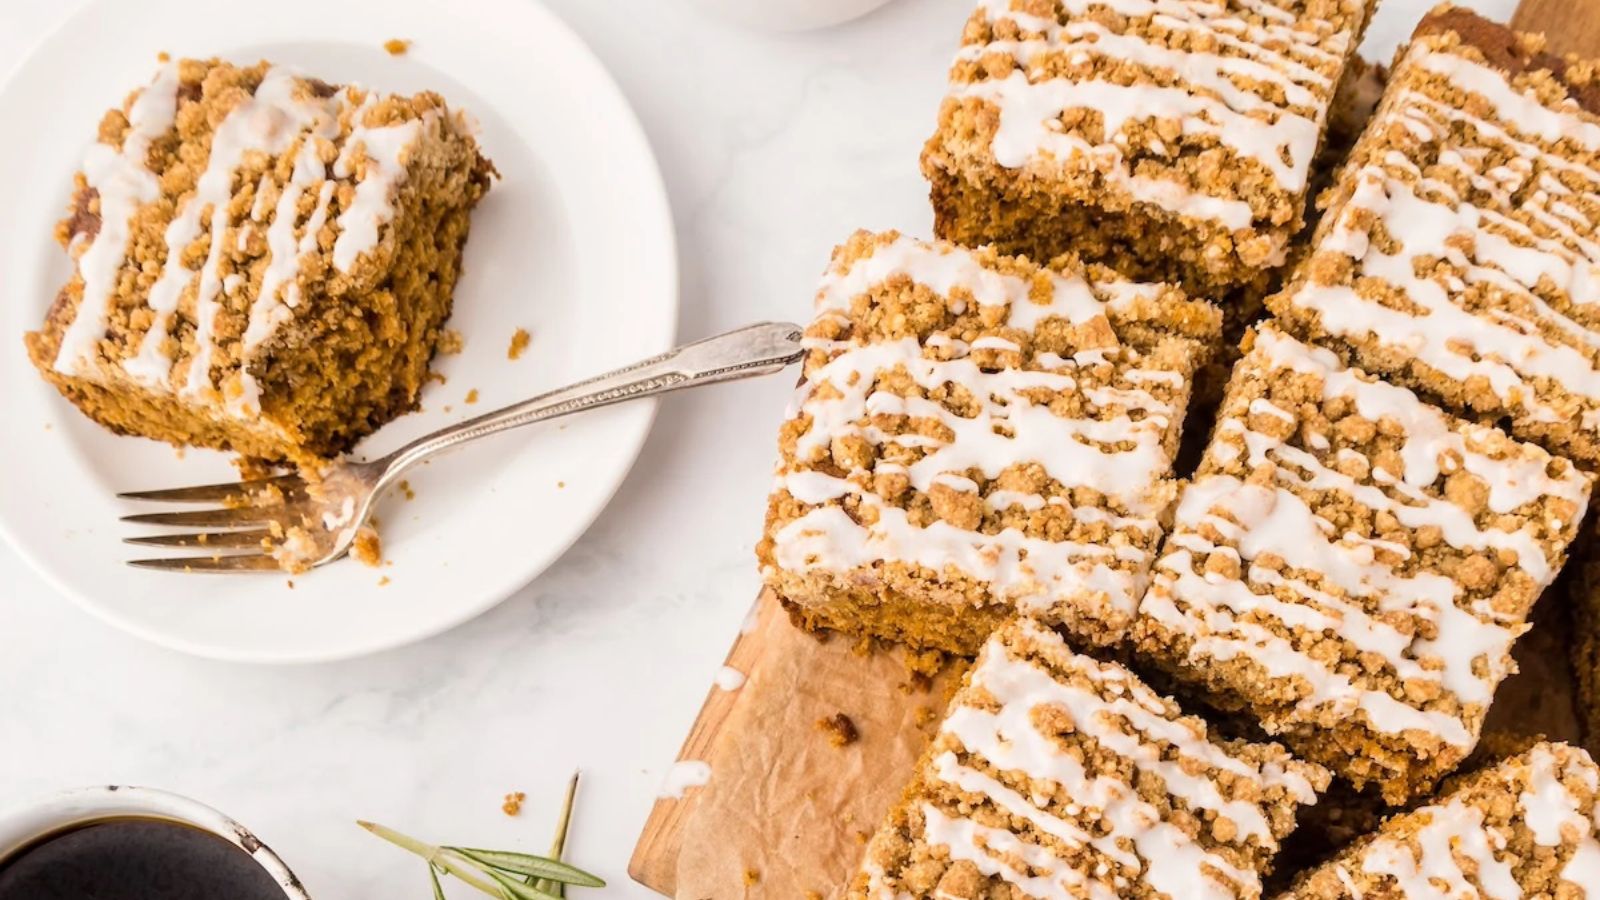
504 874
558 843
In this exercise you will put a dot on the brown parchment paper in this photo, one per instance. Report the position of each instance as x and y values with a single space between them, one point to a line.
785 811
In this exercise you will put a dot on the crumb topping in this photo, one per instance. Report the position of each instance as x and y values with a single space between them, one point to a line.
1058 775
1350 558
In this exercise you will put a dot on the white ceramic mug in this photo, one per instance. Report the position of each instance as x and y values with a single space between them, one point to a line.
24 825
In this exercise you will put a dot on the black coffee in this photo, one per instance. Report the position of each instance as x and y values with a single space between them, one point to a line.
134 859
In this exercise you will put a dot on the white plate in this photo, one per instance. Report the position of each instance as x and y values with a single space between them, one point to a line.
575 244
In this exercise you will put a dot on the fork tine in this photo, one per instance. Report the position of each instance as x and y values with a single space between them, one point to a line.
213 518
206 493
248 562
214 540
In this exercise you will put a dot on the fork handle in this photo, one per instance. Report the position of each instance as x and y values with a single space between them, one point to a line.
760 349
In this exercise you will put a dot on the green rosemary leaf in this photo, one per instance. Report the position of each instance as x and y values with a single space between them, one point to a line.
528 864
558 843
516 890
438 889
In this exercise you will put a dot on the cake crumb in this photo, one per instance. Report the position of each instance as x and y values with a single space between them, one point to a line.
436 377
367 548
813 895
560 485
513 803
164 57
397 46
178 452
519 343
918 683
840 730
924 716
752 877
252 469
472 396
405 488
451 342
925 663
291 584
384 581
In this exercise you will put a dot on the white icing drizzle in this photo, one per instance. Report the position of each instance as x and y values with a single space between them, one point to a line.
124 182
942 268
268 311
1358 593
1118 454
270 121
1279 133
1525 239
384 148
1456 853
684 774
273 121
729 679
1124 832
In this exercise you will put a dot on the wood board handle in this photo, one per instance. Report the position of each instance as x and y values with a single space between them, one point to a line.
1571 26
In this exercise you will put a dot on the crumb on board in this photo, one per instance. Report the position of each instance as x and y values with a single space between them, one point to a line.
752 877
451 342
513 803
405 488
926 663
472 396
367 548
519 343
397 46
840 730
925 716
813 895
917 683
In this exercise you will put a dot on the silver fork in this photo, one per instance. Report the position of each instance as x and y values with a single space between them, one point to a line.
322 517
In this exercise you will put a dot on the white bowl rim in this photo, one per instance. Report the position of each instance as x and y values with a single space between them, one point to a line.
26 823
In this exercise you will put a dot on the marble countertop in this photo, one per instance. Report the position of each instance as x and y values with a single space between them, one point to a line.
774 148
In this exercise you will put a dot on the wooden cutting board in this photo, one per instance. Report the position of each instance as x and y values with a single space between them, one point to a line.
754 832
1571 26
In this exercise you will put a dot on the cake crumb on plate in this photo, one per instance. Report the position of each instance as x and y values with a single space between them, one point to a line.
367 548
472 396
397 46
519 343
513 803
451 342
